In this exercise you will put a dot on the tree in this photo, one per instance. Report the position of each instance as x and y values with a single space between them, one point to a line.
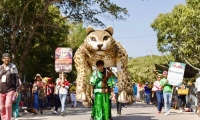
141 68
178 32
25 24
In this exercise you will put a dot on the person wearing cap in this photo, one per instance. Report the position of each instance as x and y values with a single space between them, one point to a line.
147 91
9 86
73 94
38 93
157 88
63 87
167 92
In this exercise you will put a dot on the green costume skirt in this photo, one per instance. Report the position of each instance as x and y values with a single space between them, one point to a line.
102 106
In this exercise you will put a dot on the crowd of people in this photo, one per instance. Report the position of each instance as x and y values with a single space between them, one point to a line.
104 84
168 96
45 95
53 95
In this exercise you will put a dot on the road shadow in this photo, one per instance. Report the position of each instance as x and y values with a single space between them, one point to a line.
135 117
79 110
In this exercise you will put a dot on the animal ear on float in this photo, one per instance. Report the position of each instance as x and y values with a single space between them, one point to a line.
89 30
109 30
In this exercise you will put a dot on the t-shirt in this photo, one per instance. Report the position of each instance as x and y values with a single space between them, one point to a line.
167 87
135 90
147 90
197 84
116 89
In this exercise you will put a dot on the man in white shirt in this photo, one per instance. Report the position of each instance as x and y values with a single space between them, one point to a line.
63 87
197 85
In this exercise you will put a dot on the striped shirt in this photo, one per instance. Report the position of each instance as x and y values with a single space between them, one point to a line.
156 86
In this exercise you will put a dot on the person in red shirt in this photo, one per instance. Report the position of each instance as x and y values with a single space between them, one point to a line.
49 93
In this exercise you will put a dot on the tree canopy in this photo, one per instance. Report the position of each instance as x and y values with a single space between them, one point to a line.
32 29
141 68
178 32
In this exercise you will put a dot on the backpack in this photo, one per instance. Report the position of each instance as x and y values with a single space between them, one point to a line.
41 94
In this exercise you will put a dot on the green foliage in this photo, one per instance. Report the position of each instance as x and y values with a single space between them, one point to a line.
178 32
75 38
31 30
141 68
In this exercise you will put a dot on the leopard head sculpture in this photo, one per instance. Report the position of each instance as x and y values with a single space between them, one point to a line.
99 41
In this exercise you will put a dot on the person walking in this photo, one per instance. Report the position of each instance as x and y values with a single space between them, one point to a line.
9 86
147 91
38 93
119 106
49 93
56 97
63 87
157 88
15 105
73 95
181 99
102 82
135 92
197 85
167 92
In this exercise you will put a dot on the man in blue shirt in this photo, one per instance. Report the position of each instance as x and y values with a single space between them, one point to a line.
116 96
147 92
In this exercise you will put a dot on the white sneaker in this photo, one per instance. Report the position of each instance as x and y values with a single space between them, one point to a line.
168 112
181 111
55 112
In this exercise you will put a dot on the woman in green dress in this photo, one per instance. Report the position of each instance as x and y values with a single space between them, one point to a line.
102 82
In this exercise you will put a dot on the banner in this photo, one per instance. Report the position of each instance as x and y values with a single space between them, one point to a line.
176 73
63 60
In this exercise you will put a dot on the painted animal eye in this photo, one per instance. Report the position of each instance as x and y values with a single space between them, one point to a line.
105 38
93 38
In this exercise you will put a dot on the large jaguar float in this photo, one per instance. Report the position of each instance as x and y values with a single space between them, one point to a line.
100 45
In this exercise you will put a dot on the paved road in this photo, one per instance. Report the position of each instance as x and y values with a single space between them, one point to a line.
136 112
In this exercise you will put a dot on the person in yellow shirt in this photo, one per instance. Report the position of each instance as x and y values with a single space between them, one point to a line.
73 95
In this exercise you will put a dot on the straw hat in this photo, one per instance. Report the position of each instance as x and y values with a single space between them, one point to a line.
38 75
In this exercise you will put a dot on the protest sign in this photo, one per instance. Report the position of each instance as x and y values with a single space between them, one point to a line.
63 60
176 73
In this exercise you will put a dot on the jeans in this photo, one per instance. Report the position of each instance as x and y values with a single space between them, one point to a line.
49 100
181 101
167 99
119 106
57 102
159 95
63 98
147 98
73 99
37 103
6 105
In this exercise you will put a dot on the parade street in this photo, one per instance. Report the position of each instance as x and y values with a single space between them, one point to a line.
136 112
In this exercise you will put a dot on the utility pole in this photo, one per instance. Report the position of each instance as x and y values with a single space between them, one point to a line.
151 52
151 58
